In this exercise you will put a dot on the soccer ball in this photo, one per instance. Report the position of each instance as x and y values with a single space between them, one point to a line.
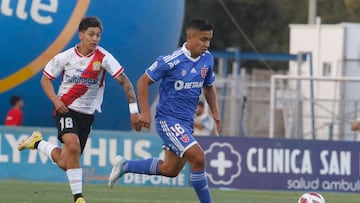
311 197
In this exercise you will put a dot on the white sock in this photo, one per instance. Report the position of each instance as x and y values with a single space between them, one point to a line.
75 180
46 148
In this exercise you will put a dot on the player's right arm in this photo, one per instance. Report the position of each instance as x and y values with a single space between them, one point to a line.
48 88
153 74
51 71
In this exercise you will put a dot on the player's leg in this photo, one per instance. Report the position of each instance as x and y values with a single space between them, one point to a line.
73 131
74 144
56 154
198 178
35 141
170 166
122 166
67 158
179 139
70 160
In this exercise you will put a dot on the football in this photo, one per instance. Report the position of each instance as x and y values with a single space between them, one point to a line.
311 197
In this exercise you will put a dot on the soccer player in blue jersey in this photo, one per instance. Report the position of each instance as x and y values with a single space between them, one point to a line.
182 76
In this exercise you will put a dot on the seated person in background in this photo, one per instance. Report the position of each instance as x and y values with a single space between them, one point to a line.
15 116
203 122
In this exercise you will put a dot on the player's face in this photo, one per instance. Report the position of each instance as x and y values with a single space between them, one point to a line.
90 38
20 104
198 41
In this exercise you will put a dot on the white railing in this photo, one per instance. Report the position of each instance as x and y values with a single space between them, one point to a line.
331 103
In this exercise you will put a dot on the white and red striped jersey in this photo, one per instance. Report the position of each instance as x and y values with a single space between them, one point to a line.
82 85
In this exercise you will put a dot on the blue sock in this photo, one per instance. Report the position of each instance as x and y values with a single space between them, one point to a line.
199 181
146 166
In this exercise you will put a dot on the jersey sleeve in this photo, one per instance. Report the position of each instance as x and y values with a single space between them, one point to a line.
210 75
54 67
111 65
157 70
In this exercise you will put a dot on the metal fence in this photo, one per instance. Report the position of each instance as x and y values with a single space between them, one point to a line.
314 107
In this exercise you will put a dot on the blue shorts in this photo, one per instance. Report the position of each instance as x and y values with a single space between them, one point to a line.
176 135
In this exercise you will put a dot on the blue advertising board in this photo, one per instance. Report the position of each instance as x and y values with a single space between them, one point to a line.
33 31
101 149
270 164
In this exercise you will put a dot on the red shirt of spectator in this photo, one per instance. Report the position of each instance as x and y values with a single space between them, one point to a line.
14 117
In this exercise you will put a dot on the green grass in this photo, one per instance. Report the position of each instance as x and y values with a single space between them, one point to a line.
38 192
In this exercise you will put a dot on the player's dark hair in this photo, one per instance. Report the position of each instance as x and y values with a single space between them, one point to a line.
200 24
90 21
14 99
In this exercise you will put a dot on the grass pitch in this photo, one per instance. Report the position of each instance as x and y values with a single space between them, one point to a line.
39 192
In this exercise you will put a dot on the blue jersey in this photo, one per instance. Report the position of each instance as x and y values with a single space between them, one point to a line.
182 78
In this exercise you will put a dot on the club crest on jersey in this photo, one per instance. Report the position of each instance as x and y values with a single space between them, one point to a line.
183 72
96 66
185 138
204 71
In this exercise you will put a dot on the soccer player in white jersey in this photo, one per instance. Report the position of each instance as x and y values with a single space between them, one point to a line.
83 69
183 74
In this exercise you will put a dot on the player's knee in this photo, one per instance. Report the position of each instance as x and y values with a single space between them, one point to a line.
173 174
72 143
197 162
169 170
74 148
62 164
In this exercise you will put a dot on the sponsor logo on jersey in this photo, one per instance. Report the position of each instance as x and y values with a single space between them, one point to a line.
204 71
180 85
80 80
173 63
97 66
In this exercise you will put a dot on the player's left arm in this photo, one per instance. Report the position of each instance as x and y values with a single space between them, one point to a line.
113 67
124 81
210 96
